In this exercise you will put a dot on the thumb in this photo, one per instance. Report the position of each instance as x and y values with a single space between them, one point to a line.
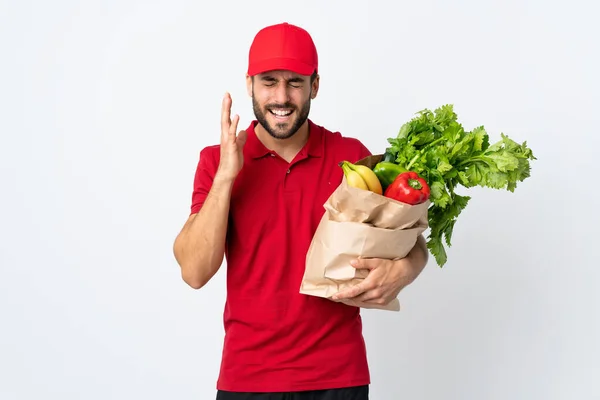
241 138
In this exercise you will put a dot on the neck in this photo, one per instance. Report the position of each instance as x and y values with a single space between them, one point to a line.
286 148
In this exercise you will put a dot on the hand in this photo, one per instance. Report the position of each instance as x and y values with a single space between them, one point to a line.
386 278
232 145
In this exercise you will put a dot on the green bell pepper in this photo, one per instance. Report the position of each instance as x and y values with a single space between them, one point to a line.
387 171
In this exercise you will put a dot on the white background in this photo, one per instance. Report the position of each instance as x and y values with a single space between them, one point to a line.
105 106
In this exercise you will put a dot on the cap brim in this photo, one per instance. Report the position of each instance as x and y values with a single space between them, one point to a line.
280 64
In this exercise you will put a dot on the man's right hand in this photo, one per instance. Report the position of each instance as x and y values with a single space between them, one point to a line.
232 144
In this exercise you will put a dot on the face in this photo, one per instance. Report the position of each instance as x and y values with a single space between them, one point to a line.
281 101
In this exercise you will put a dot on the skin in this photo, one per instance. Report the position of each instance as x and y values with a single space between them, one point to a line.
199 248
386 278
284 91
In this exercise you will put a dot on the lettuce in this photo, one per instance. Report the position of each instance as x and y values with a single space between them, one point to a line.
436 146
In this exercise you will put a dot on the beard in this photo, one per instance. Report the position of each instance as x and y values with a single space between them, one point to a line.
283 130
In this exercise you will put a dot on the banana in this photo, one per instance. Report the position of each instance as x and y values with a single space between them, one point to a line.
369 177
367 174
353 178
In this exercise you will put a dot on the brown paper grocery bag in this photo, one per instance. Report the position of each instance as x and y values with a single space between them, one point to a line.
359 223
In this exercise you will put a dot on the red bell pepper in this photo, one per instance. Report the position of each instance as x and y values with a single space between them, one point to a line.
408 187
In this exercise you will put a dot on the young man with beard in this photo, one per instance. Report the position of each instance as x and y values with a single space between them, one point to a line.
257 200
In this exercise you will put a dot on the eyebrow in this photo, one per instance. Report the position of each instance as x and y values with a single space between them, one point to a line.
271 79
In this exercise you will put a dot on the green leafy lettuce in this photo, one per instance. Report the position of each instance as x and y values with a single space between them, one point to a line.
436 146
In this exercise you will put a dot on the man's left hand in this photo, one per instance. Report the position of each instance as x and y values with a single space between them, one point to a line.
386 278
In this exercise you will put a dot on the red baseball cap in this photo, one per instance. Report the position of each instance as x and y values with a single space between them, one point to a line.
283 46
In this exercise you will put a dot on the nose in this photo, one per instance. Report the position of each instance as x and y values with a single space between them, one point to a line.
281 94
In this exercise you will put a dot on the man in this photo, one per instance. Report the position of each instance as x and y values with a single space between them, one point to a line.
258 197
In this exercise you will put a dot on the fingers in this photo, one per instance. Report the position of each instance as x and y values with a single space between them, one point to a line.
226 122
365 263
374 296
367 285
233 127
351 292
229 125
375 288
226 112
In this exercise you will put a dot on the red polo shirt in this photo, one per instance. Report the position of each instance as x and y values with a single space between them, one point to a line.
277 339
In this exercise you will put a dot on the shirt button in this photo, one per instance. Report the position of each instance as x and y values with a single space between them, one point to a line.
288 171
272 155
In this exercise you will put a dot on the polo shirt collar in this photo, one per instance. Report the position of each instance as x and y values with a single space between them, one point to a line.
313 147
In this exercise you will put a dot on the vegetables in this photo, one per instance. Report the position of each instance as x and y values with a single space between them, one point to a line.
408 187
387 171
437 147
388 156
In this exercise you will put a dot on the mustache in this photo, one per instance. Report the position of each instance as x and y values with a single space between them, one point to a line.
279 106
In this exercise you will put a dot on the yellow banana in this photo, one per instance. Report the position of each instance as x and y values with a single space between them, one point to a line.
353 178
368 176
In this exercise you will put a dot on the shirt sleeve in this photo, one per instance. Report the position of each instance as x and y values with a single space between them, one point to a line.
203 178
363 151
356 149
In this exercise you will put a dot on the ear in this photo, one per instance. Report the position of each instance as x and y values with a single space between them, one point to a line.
249 85
314 88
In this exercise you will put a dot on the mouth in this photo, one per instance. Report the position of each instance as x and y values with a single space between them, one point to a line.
281 114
